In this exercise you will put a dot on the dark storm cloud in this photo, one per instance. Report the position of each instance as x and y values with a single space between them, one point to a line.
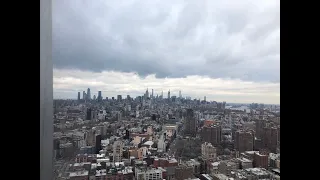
169 38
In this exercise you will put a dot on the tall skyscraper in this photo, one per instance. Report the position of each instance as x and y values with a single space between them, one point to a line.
98 143
223 105
147 93
244 141
79 96
119 98
190 127
99 96
169 94
259 124
88 94
84 95
127 136
205 98
270 138
180 96
152 94
211 134
161 143
89 114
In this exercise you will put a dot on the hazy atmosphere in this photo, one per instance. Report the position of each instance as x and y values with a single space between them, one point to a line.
226 50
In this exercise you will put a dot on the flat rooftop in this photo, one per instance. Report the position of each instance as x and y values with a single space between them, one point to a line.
78 173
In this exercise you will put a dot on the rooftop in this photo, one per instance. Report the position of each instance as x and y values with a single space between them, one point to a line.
244 160
207 176
221 176
251 152
257 171
215 163
149 143
101 172
78 173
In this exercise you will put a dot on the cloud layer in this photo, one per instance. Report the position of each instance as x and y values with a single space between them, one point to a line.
68 82
171 39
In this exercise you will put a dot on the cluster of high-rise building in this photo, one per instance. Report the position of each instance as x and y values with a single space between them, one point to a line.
86 96
174 138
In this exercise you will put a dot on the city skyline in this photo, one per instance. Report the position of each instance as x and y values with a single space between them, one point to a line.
214 89
224 50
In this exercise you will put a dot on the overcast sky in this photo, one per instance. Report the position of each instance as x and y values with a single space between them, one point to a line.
227 50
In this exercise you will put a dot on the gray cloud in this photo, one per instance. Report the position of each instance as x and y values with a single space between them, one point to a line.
220 39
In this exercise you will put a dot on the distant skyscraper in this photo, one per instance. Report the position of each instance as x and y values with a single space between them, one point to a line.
205 99
84 95
79 96
94 97
119 98
88 94
223 105
169 94
180 96
99 96
152 94
147 93
173 98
